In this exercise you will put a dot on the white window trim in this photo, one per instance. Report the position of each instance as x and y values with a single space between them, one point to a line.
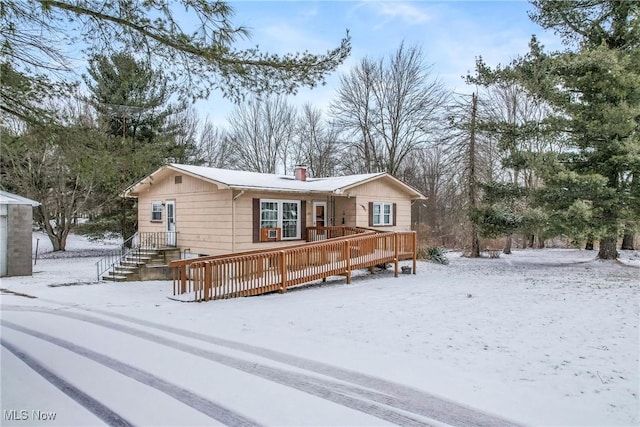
381 222
298 235
154 204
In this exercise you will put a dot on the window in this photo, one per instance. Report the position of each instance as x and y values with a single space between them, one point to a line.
156 211
382 214
282 214
290 220
268 214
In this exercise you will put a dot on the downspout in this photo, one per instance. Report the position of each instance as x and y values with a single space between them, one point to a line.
233 220
332 203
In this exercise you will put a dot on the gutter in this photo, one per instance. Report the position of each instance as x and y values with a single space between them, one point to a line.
282 190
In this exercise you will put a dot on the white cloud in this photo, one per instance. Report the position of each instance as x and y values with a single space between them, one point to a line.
451 34
406 12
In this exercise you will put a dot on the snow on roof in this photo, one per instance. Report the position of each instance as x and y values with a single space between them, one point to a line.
7 198
254 181
264 181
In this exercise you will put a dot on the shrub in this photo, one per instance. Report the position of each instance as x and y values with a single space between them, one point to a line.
433 254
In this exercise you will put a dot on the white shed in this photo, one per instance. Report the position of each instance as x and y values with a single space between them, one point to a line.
16 221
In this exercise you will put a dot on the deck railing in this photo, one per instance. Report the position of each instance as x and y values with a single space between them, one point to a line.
315 234
258 272
132 249
156 240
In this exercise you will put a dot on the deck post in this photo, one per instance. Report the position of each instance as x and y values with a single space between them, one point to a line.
207 281
347 252
183 279
223 275
395 254
195 283
415 252
283 272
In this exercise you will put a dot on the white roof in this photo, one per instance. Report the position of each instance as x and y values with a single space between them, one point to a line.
7 198
264 181
241 180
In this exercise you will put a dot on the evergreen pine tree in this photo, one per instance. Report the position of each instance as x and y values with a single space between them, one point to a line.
594 88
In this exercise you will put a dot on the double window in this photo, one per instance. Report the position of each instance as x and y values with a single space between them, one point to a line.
156 211
382 214
282 214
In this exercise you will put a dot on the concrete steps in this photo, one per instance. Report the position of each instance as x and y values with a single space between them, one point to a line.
146 263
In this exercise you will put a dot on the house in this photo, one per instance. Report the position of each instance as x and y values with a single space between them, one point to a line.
16 222
209 211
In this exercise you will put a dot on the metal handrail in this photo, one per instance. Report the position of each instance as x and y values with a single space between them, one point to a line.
132 247
115 256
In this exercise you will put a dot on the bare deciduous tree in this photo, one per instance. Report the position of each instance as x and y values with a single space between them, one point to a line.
261 134
317 143
184 132
388 109
353 113
215 148
514 119
427 171
59 166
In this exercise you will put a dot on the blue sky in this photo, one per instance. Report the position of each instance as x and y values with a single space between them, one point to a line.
451 34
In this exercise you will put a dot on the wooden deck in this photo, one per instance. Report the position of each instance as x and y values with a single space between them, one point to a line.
259 272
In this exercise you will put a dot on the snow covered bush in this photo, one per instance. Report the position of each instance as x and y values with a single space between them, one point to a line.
434 254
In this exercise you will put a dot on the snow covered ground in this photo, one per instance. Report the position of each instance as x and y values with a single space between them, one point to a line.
541 337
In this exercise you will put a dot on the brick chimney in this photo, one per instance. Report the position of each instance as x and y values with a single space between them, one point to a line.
300 173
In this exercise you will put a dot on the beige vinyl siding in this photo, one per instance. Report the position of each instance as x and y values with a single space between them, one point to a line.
209 222
345 210
144 216
382 191
244 219
203 214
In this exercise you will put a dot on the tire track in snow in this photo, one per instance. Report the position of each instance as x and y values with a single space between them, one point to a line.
376 389
399 395
302 382
389 393
185 396
92 405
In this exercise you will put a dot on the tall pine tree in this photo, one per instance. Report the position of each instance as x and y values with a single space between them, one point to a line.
40 39
133 106
594 87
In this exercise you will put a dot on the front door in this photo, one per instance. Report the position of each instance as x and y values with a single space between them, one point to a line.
319 214
171 223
